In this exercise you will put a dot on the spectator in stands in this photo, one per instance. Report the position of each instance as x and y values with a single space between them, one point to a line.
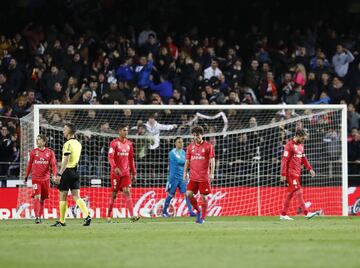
174 51
212 71
144 34
268 90
164 88
56 93
353 118
143 71
151 46
125 72
143 143
337 91
20 107
252 76
6 92
113 95
154 128
354 154
16 77
55 76
6 149
341 60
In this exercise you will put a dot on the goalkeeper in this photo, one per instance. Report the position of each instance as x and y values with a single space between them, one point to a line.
175 179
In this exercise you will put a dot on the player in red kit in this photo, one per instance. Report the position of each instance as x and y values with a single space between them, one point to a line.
200 156
291 164
123 172
41 159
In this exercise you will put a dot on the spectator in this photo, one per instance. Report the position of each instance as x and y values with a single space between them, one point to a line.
341 60
320 55
151 46
212 71
125 72
143 143
252 76
301 57
113 95
6 149
16 77
6 93
164 88
236 74
353 118
55 76
354 154
20 108
174 51
144 35
338 92
143 71
154 128
268 90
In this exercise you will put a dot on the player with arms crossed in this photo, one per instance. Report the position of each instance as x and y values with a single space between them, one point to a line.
291 164
68 178
123 172
41 159
199 156
175 179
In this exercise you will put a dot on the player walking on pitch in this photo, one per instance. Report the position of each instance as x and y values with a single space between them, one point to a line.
175 179
199 156
291 163
123 172
41 159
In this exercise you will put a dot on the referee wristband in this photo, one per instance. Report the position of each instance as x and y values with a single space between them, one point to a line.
58 174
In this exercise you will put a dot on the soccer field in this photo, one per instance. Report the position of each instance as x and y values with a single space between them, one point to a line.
179 242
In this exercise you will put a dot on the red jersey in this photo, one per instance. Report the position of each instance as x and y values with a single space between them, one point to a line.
40 162
293 159
199 156
121 155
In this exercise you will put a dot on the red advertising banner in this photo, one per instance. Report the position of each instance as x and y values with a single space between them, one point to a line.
354 201
148 202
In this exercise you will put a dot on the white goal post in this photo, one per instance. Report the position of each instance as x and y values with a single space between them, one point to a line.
248 140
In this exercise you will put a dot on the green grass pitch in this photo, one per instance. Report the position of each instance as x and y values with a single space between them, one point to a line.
179 242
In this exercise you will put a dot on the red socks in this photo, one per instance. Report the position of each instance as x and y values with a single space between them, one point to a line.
36 205
111 205
41 209
287 203
194 203
129 205
300 201
204 209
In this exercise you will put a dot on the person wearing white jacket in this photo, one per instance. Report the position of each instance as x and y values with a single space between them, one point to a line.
154 128
341 60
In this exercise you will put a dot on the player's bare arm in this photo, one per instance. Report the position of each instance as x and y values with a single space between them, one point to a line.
186 167
212 168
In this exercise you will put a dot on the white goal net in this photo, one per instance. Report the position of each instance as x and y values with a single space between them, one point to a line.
248 142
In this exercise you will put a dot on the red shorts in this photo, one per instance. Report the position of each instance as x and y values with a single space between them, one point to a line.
203 186
118 183
293 183
41 187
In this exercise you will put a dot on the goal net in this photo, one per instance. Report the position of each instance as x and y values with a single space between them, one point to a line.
248 142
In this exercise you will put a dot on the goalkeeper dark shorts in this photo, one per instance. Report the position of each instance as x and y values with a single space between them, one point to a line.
70 179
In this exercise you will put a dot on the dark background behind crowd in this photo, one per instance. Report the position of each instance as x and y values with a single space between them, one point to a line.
176 52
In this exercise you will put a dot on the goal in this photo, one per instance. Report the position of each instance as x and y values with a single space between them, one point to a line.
248 143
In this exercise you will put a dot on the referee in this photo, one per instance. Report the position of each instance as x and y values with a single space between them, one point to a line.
68 178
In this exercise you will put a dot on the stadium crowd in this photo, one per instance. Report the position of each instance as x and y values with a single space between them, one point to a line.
152 64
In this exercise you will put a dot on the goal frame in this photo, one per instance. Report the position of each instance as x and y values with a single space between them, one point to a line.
342 107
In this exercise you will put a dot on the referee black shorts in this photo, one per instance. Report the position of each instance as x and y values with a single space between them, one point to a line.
70 179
